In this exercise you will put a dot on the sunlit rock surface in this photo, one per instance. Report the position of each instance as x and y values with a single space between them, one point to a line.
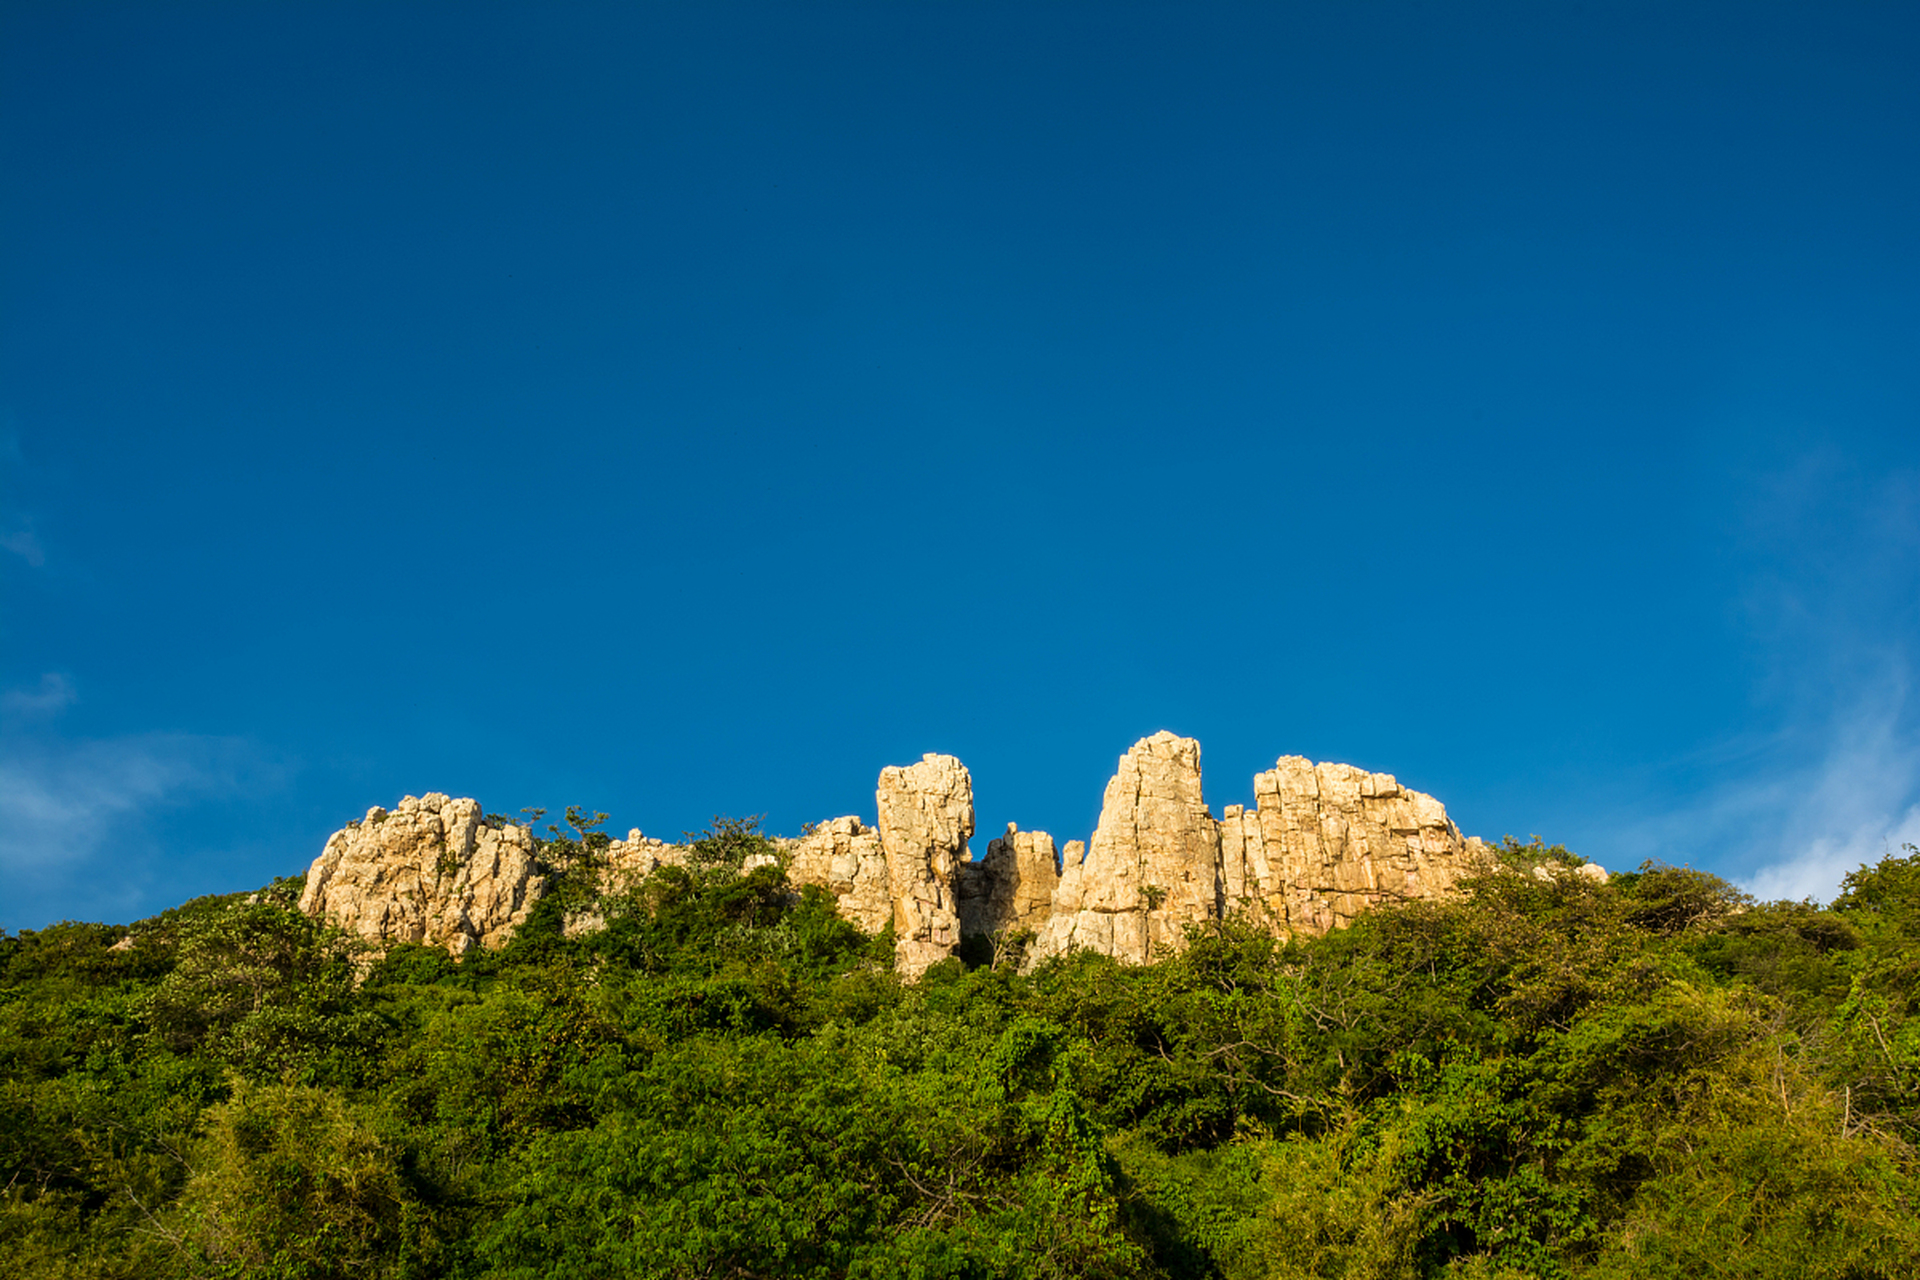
430 871
926 817
1321 844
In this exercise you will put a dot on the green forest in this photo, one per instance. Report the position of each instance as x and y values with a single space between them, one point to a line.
1655 1076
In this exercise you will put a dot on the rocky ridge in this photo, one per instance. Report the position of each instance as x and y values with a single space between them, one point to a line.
1321 844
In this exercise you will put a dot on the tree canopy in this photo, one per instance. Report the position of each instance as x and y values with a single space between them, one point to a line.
1655 1076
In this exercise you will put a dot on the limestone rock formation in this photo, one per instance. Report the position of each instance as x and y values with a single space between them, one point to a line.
431 871
844 857
633 859
1153 865
926 817
1011 889
1321 844
1327 841
625 863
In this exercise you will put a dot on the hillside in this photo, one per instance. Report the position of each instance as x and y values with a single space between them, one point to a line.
1537 1073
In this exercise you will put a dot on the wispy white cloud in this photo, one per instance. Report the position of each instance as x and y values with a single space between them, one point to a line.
25 543
62 803
54 693
1833 606
84 825
1816 871
1860 803
1788 816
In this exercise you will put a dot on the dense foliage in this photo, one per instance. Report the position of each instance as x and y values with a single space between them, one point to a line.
1549 1077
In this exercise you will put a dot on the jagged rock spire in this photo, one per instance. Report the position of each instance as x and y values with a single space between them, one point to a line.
1154 863
926 819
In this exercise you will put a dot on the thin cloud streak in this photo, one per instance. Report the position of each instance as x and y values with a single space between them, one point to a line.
60 802
1834 605
54 694
26 544
66 808
1857 807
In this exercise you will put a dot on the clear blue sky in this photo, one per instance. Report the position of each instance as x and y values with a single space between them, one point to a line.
689 408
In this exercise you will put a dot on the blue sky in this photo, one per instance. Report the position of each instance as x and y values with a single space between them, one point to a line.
690 409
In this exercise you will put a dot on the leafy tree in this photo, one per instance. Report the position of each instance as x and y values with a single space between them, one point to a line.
292 1184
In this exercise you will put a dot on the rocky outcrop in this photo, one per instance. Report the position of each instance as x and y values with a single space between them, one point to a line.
633 859
1010 890
1328 841
1153 865
844 857
1321 844
431 871
622 866
926 818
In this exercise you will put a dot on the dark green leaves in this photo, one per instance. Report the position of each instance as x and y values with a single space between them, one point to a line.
1549 1077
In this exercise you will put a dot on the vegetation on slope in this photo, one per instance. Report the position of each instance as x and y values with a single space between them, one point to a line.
1651 1077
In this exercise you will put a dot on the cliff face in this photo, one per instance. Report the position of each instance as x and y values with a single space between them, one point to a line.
845 858
1326 841
1011 889
1323 843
